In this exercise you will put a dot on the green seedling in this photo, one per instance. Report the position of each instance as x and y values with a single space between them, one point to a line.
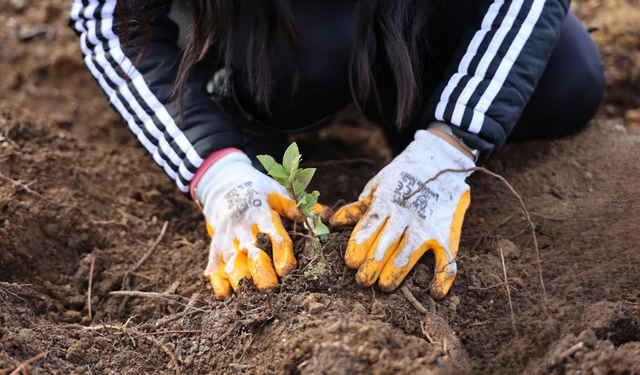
320 268
295 180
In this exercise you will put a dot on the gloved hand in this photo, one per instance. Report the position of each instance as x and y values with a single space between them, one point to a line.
238 203
392 234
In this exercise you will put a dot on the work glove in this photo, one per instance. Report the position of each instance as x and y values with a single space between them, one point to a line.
239 202
393 233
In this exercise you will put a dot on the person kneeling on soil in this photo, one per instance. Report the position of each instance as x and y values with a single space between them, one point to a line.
450 81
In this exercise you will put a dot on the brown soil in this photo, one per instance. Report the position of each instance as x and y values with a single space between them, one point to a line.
60 139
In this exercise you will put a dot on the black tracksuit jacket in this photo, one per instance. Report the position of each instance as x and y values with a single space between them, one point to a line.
489 57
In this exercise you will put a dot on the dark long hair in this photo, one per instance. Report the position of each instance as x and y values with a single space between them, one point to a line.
397 26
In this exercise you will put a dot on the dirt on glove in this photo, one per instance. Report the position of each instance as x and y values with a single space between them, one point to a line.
78 190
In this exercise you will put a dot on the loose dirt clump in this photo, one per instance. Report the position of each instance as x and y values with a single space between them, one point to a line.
76 190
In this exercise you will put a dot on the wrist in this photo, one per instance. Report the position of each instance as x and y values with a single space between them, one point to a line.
211 167
453 142
445 132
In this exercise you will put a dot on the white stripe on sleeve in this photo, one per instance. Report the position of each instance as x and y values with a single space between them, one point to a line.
472 50
505 65
76 9
485 61
115 49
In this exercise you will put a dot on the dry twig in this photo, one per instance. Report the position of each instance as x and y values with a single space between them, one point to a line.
22 367
133 293
413 301
506 282
524 208
169 353
126 279
93 263
425 333
163 333
571 351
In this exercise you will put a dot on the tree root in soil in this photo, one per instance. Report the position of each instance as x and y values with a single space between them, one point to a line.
126 279
22 367
524 208
413 301
165 296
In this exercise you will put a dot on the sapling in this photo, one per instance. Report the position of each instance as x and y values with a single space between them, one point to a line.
295 180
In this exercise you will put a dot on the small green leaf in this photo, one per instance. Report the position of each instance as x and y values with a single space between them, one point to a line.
312 199
281 181
293 173
321 267
291 158
267 162
278 171
305 176
273 168
299 189
302 201
321 229
305 210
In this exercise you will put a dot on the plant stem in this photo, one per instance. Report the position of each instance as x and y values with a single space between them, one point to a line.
304 217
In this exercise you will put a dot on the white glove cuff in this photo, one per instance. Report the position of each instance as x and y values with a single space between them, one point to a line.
220 168
441 126
447 156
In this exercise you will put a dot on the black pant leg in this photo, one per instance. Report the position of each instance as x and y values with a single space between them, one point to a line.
570 89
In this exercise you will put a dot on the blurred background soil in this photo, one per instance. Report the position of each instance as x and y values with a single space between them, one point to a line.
77 190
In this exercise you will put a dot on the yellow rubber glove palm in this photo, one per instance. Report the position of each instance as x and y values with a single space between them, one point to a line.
393 233
238 203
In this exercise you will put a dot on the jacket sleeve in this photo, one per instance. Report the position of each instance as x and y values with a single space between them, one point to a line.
495 69
141 90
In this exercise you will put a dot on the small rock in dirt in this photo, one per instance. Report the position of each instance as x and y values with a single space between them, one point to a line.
518 282
454 301
588 338
189 291
632 119
315 308
311 298
196 300
153 196
71 316
509 249
334 327
77 302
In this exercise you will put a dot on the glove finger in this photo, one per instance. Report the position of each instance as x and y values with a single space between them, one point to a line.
402 261
262 272
379 254
457 221
284 259
286 207
210 230
446 268
445 272
363 238
259 263
352 213
215 270
219 281
237 268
